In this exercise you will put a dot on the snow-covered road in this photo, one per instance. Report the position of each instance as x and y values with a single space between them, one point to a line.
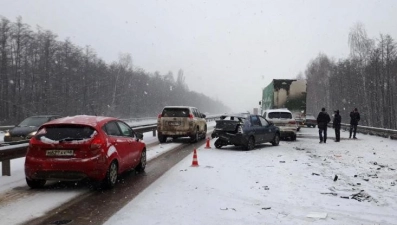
268 185
276 185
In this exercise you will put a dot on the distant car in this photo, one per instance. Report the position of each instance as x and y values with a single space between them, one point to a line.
245 130
27 128
79 147
311 121
181 121
300 121
282 118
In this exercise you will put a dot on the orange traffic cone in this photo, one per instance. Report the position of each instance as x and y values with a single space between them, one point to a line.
208 143
195 162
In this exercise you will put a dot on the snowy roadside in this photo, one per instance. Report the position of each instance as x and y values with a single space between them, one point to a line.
276 185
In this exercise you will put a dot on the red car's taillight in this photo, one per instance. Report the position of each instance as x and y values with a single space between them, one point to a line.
97 142
292 122
33 141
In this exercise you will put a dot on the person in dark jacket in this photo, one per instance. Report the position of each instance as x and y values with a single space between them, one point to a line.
336 125
354 118
322 120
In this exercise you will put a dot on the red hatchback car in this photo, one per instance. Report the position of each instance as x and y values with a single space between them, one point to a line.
79 147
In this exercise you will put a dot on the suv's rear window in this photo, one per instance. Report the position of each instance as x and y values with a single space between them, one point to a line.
280 115
71 132
175 112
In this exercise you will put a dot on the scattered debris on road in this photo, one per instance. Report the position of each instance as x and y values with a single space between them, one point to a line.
266 188
362 196
329 193
316 174
266 208
318 215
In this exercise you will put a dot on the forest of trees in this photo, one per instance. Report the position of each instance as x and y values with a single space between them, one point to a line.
367 79
42 75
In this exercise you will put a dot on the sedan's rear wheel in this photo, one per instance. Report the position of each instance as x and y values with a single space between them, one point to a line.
35 184
142 163
250 144
218 144
111 176
276 140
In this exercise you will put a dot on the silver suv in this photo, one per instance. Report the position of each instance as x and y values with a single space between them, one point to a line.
283 119
181 121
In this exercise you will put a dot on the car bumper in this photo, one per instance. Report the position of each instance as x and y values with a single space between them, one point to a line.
176 133
231 139
287 131
65 169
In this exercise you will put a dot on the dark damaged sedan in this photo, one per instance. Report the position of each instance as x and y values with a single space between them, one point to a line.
28 128
245 131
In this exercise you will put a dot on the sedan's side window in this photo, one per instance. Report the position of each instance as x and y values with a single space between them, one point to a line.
255 121
112 129
263 121
125 129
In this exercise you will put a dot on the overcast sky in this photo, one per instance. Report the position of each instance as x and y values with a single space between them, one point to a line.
228 49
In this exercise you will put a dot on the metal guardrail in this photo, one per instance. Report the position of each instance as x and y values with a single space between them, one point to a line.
11 152
14 150
381 132
4 128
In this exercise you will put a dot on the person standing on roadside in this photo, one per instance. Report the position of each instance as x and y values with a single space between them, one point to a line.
354 118
336 125
322 120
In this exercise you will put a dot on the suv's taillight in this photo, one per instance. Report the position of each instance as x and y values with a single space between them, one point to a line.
292 122
159 116
97 142
190 116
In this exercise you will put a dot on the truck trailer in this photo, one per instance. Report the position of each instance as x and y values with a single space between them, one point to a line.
286 93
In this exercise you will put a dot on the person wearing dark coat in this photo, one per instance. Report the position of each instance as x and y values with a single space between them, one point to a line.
322 120
354 118
336 125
